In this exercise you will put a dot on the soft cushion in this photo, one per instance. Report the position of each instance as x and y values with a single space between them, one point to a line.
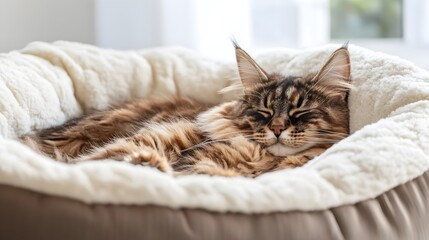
45 84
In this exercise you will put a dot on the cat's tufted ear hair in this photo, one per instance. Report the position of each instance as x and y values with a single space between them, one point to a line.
251 74
335 74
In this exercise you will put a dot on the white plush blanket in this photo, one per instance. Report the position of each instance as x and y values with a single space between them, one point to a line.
46 84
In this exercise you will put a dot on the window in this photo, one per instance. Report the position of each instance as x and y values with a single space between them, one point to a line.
353 19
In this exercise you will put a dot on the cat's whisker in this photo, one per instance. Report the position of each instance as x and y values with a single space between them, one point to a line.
323 131
330 135
202 144
323 140
327 134
213 141
249 137
317 142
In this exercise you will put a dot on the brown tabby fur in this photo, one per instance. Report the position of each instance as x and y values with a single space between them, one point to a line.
279 122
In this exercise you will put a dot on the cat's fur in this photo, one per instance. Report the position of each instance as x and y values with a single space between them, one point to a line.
279 122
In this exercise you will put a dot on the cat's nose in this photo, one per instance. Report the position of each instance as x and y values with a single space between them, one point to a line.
277 129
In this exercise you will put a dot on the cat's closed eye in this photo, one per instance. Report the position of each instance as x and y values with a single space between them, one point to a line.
300 113
305 116
265 112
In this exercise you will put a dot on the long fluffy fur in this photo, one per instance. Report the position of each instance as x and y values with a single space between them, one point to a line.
239 138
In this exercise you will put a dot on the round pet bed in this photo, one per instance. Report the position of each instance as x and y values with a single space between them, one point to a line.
372 185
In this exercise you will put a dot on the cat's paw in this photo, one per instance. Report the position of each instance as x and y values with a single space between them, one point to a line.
149 157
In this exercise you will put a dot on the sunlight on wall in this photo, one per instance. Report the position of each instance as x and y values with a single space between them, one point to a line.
203 25
207 25
290 23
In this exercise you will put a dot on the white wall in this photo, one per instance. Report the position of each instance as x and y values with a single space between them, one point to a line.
203 25
127 24
290 23
24 21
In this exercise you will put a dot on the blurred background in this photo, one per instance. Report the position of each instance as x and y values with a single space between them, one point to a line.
396 27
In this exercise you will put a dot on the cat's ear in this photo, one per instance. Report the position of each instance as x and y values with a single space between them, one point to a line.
335 74
251 73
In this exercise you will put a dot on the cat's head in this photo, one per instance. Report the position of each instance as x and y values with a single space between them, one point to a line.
289 114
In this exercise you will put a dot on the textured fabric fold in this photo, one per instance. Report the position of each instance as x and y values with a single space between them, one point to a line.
47 83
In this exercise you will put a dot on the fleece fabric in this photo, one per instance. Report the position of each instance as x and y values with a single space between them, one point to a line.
46 84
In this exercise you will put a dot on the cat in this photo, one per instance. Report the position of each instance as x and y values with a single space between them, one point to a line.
279 122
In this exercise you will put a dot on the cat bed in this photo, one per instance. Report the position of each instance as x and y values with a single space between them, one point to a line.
371 185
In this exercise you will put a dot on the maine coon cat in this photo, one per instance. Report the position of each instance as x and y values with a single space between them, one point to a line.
279 122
